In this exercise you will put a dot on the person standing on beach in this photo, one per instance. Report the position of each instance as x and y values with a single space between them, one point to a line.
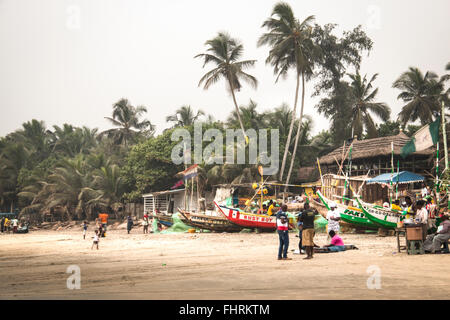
7 223
283 233
129 223
85 226
96 240
145 223
2 224
333 218
300 232
14 224
307 218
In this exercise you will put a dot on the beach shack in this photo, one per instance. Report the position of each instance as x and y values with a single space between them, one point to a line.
370 158
165 202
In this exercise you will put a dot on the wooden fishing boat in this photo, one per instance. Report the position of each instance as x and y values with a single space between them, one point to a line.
384 218
164 219
349 214
249 220
207 222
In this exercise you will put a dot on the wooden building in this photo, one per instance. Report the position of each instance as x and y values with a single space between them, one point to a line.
375 155
370 158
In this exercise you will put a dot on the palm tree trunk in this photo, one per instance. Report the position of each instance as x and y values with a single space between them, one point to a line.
298 133
237 110
288 141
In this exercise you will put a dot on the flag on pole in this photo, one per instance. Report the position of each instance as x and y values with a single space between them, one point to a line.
178 184
189 172
423 139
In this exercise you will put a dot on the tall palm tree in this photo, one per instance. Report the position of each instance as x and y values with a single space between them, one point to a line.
280 119
291 47
13 158
127 118
224 52
362 104
34 136
70 140
420 93
184 116
70 187
110 184
249 116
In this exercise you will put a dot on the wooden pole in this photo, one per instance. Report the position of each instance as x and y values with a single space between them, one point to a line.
444 136
192 193
198 196
262 183
320 171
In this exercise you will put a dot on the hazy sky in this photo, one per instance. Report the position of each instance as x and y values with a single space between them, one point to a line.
70 60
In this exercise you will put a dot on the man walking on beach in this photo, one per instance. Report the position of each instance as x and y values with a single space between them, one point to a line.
307 218
283 233
2 224
129 223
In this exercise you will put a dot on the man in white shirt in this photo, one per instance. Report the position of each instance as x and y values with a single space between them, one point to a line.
424 191
14 224
333 217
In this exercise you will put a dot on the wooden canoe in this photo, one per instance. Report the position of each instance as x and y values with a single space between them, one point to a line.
212 223
249 220
164 219
349 214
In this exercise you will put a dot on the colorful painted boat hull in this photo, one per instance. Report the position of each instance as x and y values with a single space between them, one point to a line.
212 223
351 215
248 220
381 217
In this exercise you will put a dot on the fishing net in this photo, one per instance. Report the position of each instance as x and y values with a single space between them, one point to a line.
320 224
177 226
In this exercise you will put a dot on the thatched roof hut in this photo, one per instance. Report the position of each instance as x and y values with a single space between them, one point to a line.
372 148
375 154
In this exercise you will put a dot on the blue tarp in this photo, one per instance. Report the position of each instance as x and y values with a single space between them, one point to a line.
403 177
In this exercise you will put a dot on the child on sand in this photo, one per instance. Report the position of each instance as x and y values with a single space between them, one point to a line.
85 226
96 240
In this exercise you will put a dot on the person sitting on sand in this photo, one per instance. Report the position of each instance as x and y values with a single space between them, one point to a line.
336 243
96 240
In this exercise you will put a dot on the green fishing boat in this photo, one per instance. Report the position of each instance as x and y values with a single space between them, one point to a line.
382 217
350 214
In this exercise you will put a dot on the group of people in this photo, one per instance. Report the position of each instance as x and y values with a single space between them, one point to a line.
305 224
8 225
270 208
423 212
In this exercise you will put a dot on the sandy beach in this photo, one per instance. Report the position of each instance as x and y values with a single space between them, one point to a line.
211 266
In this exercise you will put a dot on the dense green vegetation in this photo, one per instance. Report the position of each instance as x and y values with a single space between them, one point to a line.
79 171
